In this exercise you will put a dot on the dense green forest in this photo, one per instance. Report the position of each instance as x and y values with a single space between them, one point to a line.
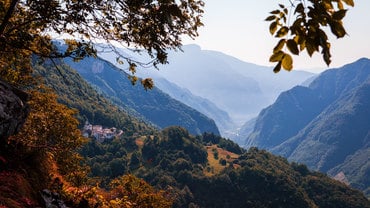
184 166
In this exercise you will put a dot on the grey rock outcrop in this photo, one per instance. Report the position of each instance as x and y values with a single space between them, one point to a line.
52 199
13 109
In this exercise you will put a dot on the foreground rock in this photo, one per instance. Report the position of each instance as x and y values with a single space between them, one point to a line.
13 109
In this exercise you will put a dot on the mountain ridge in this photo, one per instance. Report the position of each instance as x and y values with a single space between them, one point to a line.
154 105
235 86
336 129
222 118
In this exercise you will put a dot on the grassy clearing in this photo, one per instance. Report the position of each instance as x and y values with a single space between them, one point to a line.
215 155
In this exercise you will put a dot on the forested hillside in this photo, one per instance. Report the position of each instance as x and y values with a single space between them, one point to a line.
210 171
324 125
92 106
154 105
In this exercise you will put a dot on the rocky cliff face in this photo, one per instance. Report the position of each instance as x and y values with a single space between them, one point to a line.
13 109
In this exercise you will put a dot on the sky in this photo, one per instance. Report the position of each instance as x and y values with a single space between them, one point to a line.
237 28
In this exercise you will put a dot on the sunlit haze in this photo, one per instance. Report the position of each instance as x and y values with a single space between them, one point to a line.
237 28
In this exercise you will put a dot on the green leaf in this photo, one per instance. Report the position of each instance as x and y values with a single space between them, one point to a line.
277 56
287 62
293 47
349 2
270 18
279 46
339 15
273 27
282 32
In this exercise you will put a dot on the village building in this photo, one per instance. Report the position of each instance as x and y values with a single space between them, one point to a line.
99 133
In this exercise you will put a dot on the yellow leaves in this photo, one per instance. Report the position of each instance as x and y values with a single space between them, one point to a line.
337 29
306 31
126 192
279 46
328 4
282 32
132 190
299 9
133 79
340 5
273 27
51 126
132 68
284 60
287 62
78 49
71 42
154 27
327 56
277 67
147 83
349 2
339 15
270 18
276 57
311 46
292 46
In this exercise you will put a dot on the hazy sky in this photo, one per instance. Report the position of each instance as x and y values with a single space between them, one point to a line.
237 28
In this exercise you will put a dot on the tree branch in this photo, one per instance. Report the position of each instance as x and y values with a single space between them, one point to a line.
7 16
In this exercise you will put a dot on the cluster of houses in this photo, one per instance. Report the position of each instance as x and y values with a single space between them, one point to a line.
99 133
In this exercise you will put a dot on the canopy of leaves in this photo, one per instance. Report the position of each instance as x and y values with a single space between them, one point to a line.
149 26
307 31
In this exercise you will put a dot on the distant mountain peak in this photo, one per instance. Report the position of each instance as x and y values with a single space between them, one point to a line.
239 88
324 124
191 47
